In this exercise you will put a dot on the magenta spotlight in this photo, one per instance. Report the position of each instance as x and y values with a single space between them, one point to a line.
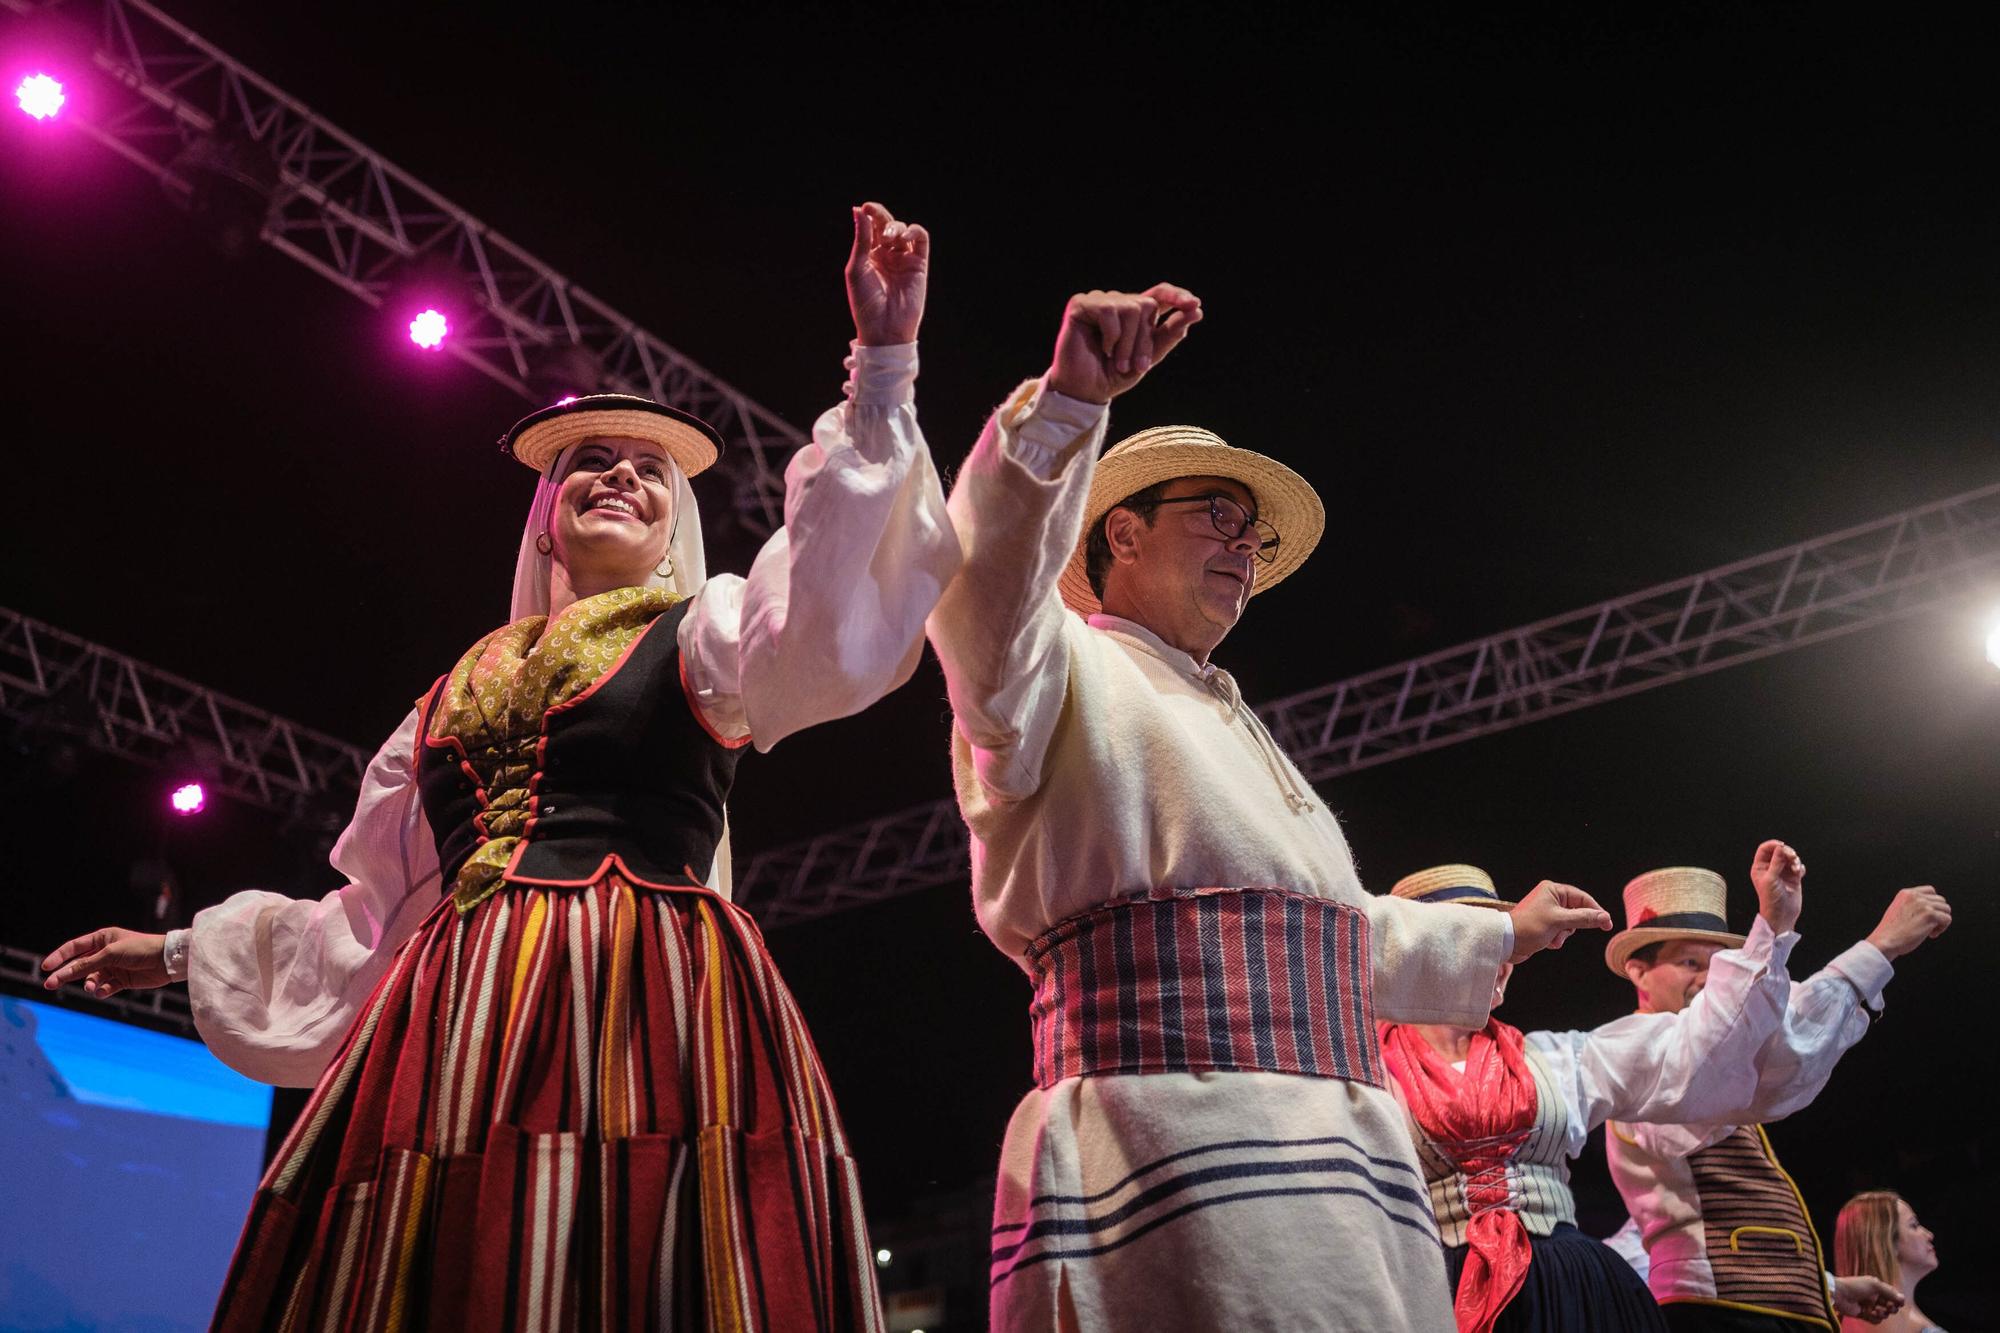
189 798
428 329
40 96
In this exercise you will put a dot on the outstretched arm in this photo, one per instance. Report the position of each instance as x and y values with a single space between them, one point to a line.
1829 1011
831 615
275 982
1018 509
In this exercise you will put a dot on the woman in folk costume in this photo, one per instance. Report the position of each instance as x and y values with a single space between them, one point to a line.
1497 1114
559 1083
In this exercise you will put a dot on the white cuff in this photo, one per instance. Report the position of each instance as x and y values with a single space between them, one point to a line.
884 376
1867 969
1776 949
174 953
1043 426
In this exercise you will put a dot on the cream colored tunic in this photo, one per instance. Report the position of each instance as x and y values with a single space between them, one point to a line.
1093 760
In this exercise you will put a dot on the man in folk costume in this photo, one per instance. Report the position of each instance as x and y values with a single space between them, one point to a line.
1210 1144
1729 1243
1497 1114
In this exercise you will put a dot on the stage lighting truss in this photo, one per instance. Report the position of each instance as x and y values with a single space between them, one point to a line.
1819 589
60 683
350 215
1833 585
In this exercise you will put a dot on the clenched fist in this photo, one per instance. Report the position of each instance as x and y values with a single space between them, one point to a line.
1914 915
1109 340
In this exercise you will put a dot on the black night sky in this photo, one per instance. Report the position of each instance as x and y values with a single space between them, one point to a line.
1549 309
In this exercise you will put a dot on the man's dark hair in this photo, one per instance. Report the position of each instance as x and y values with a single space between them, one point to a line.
1097 547
1648 955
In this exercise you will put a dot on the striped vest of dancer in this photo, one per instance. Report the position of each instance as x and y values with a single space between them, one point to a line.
1205 979
1537 1174
1731 1210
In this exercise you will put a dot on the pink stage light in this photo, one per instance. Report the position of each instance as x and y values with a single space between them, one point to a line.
40 96
566 400
189 798
428 329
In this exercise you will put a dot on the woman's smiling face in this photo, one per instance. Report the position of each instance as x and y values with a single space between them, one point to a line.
614 512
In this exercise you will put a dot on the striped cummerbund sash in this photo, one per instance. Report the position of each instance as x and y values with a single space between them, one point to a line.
1205 979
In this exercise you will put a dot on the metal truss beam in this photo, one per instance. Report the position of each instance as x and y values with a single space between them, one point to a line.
62 685
355 218
1802 594
1816 590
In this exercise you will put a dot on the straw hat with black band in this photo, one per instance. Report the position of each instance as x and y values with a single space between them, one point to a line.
1674 903
1466 886
1284 499
544 441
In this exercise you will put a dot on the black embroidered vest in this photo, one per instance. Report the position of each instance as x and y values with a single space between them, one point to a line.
624 775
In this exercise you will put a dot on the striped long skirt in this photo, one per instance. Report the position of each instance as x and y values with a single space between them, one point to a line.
566 1109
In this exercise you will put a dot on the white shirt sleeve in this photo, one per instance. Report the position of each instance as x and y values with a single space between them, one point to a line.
276 982
1699 1065
1018 509
831 615
1825 1015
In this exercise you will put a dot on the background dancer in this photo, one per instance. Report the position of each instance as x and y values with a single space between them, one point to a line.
1728 1240
579 1096
1498 1114
1209 1144
1878 1235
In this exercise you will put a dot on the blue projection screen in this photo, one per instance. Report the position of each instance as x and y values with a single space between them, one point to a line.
127 1162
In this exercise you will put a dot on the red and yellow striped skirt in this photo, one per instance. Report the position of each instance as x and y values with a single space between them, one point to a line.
566 1109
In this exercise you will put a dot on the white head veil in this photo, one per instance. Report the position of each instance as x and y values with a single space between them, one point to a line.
689 563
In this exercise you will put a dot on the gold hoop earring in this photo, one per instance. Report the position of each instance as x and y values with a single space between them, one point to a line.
544 543
668 572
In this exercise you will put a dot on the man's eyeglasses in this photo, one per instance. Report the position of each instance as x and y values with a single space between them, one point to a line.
1230 518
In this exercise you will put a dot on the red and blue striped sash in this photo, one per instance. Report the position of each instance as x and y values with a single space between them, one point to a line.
1192 980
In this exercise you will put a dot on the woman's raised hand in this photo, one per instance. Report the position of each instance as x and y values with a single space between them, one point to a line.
888 272
108 961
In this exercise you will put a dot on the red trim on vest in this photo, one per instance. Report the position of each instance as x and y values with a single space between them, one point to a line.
611 861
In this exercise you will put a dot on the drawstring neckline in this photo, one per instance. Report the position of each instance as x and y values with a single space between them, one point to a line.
1224 688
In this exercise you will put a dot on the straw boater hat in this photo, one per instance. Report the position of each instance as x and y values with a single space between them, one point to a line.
1677 903
1467 885
539 438
1285 500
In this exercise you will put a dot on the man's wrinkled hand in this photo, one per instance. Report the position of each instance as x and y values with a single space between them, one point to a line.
1109 340
1551 914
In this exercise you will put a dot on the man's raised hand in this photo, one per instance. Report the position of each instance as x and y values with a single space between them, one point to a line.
1550 914
1780 877
1109 340
1914 915
888 273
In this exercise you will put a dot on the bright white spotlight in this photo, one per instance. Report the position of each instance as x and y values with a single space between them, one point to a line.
428 329
1993 647
882 1258
189 798
40 96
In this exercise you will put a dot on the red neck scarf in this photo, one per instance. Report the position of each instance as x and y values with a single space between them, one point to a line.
1477 1120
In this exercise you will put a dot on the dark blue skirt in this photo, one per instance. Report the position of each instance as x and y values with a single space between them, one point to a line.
1575 1285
